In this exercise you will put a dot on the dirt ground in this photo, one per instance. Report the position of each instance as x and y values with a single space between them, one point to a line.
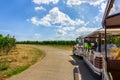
56 65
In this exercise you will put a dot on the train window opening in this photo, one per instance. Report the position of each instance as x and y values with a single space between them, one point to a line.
115 8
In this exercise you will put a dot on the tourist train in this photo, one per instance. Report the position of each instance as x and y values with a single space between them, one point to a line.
95 48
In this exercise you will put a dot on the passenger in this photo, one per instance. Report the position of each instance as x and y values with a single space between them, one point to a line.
95 46
73 46
88 45
110 45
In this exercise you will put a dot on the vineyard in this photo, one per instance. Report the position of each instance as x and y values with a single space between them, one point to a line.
6 44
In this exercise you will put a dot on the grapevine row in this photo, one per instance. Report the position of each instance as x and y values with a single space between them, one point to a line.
6 44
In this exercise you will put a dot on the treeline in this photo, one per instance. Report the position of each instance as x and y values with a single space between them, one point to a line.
55 42
6 43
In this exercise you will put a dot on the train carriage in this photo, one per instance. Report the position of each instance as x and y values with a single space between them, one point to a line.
111 20
102 62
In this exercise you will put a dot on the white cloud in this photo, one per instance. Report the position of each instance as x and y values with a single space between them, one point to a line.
101 12
40 8
54 17
61 32
35 21
64 24
98 18
113 10
38 22
102 7
78 2
45 1
68 28
116 8
85 30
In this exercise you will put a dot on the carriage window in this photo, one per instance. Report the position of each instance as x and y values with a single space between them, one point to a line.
116 8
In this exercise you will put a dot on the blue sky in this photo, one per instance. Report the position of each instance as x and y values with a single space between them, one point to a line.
50 19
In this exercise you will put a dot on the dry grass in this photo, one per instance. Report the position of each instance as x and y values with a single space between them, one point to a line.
22 55
65 47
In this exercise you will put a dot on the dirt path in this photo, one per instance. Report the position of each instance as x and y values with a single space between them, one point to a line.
54 66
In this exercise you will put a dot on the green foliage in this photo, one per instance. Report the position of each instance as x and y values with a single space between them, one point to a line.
115 40
6 43
55 42
16 70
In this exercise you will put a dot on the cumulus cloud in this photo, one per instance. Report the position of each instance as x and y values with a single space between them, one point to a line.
116 8
38 22
85 30
68 28
35 21
45 1
61 32
54 17
39 8
98 18
78 2
102 7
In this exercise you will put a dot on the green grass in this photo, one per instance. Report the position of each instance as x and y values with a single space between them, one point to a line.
34 60
4 65
16 70
39 52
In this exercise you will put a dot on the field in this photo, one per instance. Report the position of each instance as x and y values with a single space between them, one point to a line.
65 47
18 59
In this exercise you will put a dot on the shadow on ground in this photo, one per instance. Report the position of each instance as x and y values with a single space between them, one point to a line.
85 72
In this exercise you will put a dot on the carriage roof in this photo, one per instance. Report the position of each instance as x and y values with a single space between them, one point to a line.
111 17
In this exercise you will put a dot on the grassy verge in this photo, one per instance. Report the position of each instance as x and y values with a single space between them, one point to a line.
18 60
16 71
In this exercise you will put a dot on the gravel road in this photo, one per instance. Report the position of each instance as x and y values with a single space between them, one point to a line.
56 65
